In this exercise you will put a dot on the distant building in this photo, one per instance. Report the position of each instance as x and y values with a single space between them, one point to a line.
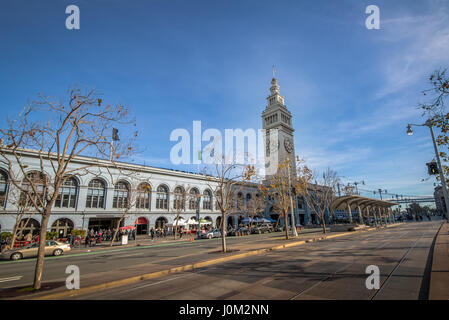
439 200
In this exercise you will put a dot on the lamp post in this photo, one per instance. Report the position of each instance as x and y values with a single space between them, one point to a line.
429 124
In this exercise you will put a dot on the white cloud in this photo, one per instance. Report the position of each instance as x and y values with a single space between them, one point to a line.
320 159
418 45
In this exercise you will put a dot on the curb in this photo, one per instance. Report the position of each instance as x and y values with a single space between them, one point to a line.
188 267
439 273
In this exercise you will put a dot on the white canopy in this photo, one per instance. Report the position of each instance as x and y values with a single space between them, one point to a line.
195 223
181 223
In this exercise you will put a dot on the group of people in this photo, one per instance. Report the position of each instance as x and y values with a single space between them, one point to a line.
97 236
24 239
158 232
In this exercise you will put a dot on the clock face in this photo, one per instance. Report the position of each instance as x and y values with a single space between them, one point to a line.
288 145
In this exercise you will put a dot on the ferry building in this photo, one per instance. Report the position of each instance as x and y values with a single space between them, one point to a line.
94 200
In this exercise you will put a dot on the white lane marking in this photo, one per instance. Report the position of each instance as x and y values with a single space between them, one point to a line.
10 278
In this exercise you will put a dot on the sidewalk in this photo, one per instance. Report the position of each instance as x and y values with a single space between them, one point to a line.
145 240
141 241
439 275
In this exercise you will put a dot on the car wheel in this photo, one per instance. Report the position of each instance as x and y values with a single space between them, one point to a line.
57 252
209 236
16 256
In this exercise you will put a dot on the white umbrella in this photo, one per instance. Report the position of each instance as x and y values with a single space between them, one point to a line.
192 222
181 223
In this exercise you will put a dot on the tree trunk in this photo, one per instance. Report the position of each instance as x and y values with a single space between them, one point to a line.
323 224
277 221
286 225
175 228
115 232
223 232
14 235
41 252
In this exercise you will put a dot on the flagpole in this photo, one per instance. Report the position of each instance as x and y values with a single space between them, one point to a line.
110 151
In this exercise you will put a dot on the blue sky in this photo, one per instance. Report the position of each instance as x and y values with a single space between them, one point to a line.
352 91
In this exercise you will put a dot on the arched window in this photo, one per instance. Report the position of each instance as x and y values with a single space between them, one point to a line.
121 193
160 222
179 201
162 197
143 196
3 188
28 225
95 194
239 201
34 190
67 194
207 200
218 201
62 227
193 199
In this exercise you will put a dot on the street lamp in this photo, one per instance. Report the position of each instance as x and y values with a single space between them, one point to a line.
429 124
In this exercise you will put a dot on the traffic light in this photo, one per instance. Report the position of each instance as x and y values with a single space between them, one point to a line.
432 168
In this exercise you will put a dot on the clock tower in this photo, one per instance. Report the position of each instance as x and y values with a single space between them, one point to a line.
277 116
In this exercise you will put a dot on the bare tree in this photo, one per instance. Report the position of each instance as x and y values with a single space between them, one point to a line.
227 175
318 192
279 192
23 208
56 133
256 204
128 194
181 194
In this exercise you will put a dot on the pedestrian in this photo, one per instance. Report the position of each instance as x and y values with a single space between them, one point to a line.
87 240
28 237
152 234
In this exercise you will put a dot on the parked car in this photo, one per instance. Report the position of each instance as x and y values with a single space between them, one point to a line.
52 247
216 233
262 228
240 230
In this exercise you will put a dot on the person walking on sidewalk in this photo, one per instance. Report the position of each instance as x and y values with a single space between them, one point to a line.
152 234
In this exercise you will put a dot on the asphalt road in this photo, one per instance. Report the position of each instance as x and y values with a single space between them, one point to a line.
328 269
113 263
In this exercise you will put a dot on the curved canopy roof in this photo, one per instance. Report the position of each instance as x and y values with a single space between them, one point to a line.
341 203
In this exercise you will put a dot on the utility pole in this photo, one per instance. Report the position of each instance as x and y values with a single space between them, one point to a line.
429 124
295 233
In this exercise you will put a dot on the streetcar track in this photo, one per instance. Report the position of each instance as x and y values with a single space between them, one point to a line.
348 265
390 275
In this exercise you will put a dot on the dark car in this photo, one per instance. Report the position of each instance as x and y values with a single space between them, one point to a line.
239 231
262 229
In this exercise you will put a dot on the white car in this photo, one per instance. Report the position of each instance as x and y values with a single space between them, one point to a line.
52 247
